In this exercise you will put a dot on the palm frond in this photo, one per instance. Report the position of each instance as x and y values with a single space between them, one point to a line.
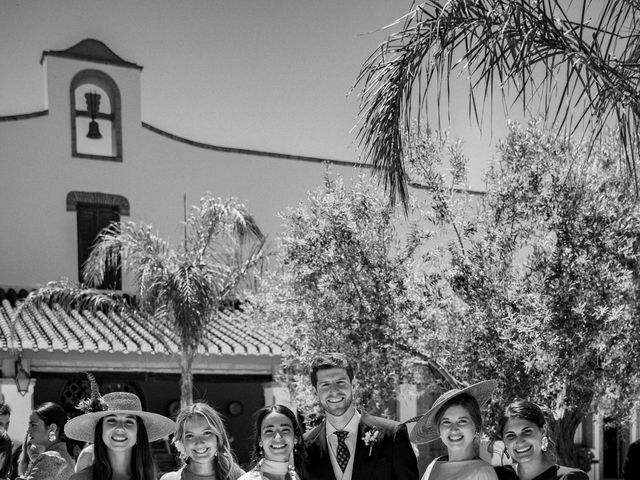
240 268
502 45
216 220
137 247
192 298
178 288
74 296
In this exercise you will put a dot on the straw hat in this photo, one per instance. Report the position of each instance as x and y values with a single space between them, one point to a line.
426 431
83 427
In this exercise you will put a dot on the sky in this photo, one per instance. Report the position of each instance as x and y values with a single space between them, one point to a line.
270 75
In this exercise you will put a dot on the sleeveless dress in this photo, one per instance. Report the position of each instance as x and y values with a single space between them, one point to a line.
474 469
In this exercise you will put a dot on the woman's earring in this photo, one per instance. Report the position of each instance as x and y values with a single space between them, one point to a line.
52 436
545 444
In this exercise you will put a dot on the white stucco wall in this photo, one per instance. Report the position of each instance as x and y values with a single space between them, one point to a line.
38 236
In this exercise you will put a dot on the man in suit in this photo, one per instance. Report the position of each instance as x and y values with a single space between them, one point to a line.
631 468
348 444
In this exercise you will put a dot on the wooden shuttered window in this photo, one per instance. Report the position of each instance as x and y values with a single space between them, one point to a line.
91 220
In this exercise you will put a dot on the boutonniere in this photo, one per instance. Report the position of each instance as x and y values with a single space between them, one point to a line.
371 437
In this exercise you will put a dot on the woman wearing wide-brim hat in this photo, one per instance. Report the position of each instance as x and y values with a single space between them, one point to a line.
121 434
455 418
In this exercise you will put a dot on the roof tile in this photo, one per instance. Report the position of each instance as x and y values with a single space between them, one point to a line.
54 329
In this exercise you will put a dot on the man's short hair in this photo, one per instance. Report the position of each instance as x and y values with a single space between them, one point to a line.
327 361
5 409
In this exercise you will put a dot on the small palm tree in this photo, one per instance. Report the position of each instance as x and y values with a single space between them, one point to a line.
183 285
579 60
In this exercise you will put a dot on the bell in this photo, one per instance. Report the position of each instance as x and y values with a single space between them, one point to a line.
93 107
94 130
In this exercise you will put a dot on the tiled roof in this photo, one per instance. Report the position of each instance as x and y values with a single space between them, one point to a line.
50 328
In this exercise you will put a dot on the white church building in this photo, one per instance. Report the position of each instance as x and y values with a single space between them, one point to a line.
88 158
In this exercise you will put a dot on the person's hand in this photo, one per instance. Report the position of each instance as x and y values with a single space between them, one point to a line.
33 451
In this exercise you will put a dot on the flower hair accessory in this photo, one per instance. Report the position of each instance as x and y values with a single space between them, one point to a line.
371 437
95 402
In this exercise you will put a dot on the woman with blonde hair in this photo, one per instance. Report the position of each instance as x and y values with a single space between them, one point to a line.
203 444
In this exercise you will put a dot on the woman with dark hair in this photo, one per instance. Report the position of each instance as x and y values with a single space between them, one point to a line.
455 418
120 434
6 460
45 455
203 444
26 452
278 447
523 430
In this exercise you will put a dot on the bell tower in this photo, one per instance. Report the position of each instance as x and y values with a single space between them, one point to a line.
86 85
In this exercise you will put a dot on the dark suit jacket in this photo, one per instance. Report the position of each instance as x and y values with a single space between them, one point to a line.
391 457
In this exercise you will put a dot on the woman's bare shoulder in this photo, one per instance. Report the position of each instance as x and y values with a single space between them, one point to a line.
85 474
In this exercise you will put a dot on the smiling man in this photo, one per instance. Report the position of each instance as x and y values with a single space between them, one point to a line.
348 444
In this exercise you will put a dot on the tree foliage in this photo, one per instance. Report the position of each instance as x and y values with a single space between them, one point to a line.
182 286
346 284
577 61
549 283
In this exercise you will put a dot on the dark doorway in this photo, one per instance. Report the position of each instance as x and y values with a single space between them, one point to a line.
91 220
615 441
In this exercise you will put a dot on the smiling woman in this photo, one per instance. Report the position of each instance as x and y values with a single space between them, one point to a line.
279 452
44 455
203 444
121 436
455 418
524 432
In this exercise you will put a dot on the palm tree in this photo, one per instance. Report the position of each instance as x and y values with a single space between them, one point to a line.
183 285
579 60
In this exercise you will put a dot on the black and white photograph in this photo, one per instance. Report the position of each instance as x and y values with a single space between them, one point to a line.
320 240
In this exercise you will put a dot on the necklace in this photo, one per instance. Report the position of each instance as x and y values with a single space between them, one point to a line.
187 474
277 470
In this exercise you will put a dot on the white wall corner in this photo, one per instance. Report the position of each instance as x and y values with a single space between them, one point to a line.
275 393
21 406
407 402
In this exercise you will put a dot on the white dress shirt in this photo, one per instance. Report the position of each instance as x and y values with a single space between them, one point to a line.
351 441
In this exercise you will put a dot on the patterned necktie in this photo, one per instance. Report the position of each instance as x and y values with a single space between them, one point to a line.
342 453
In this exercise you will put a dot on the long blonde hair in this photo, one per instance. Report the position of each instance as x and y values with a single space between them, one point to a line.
225 463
